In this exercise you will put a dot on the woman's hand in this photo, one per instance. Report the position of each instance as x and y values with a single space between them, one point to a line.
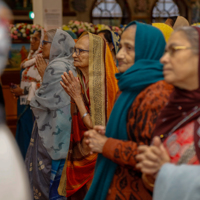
95 141
41 65
152 158
17 91
71 85
100 129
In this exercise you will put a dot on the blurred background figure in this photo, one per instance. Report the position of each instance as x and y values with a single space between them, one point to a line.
170 21
13 178
112 39
30 82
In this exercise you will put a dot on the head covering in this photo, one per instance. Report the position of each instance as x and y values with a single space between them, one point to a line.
165 29
31 78
99 82
182 108
149 47
115 40
102 91
180 21
72 34
51 104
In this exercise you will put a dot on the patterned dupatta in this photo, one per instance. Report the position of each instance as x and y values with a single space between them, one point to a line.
183 108
99 100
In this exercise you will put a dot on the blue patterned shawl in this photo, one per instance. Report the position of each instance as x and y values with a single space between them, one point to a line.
51 104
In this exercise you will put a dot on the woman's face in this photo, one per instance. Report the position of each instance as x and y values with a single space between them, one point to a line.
81 60
35 41
126 54
46 48
180 66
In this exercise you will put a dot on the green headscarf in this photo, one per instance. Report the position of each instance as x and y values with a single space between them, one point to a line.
149 47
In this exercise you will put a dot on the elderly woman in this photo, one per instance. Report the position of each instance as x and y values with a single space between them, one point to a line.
51 107
112 38
93 95
178 125
131 123
30 82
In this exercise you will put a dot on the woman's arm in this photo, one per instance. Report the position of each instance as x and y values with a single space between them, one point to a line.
140 128
73 89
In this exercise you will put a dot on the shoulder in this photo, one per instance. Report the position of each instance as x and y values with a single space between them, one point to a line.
153 94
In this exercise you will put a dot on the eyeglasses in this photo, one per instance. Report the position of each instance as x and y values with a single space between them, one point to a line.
45 42
34 39
172 49
78 51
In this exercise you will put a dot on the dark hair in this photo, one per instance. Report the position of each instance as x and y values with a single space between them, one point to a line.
173 19
107 35
40 33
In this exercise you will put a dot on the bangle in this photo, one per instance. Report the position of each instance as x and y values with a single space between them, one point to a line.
84 115
72 102
147 181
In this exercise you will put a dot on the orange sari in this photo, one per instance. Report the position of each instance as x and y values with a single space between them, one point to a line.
99 100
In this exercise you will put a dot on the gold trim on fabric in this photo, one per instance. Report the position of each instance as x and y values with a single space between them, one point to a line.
63 181
97 80
36 193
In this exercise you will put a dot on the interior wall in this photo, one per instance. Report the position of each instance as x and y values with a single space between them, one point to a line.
139 10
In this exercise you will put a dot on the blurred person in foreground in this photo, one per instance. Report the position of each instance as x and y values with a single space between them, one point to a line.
13 177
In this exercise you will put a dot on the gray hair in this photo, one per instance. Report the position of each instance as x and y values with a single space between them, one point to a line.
192 36
50 34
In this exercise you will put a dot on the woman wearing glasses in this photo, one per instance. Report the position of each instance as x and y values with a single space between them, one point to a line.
178 126
92 98
51 107
30 82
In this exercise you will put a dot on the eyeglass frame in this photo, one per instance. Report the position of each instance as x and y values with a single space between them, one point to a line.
44 41
80 50
176 48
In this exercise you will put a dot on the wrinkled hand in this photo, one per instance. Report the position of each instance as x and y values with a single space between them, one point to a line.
95 141
151 158
71 85
100 129
41 65
16 92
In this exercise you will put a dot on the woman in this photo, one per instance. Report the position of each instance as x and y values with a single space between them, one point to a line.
30 82
51 107
165 29
112 38
93 94
144 94
178 124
